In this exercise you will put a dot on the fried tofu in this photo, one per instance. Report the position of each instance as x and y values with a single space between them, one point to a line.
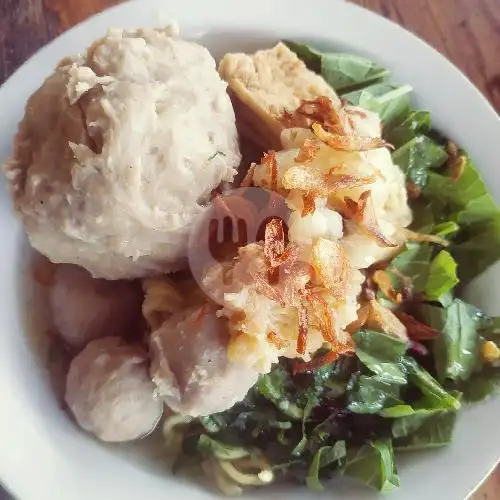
264 85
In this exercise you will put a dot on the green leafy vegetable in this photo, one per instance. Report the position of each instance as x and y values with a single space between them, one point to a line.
481 385
381 353
310 56
341 71
272 387
324 457
456 348
391 102
344 71
413 263
416 123
478 250
467 202
374 465
417 156
371 394
434 393
435 432
442 276
446 228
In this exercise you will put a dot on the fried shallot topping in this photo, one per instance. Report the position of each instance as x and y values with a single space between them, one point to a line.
363 213
307 151
331 263
384 283
248 179
322 360
269 160
426 238
348 142
286 280
456 162
313 182
331 126
308 205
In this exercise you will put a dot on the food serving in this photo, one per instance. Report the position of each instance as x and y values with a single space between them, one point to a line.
331 342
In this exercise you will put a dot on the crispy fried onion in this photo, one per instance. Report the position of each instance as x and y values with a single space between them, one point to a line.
325 317
330 261
323 359
290 289
363 313
308 205
314 182
307 151
348 142
363 213
277 341
269 160
384 283
456 161
247 181
415 329
319 110
426 238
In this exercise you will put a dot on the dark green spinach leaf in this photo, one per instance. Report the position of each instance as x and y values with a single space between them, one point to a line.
417 156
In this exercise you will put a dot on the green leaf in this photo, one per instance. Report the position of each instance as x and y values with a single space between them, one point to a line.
369 395
381 353
412 263
272 386
468 197
435 395
374 465
457 347
416 123
325 456
481 385
442 276
479 249
417 156
301 446
343 71
448 228
435 432
310 56
423 216
467 202
390 101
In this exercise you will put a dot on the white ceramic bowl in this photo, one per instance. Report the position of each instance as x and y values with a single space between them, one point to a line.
42 453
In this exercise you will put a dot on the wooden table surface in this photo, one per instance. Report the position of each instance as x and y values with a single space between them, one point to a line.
466 31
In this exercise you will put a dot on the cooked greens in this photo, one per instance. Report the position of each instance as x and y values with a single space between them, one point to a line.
350 417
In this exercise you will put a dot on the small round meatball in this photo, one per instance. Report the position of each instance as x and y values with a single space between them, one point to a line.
110 393
190 365
85 309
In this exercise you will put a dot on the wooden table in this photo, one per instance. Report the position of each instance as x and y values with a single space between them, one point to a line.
466 31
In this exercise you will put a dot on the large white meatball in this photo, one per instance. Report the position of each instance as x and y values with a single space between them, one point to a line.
118 151
109 391
85 308
190 365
